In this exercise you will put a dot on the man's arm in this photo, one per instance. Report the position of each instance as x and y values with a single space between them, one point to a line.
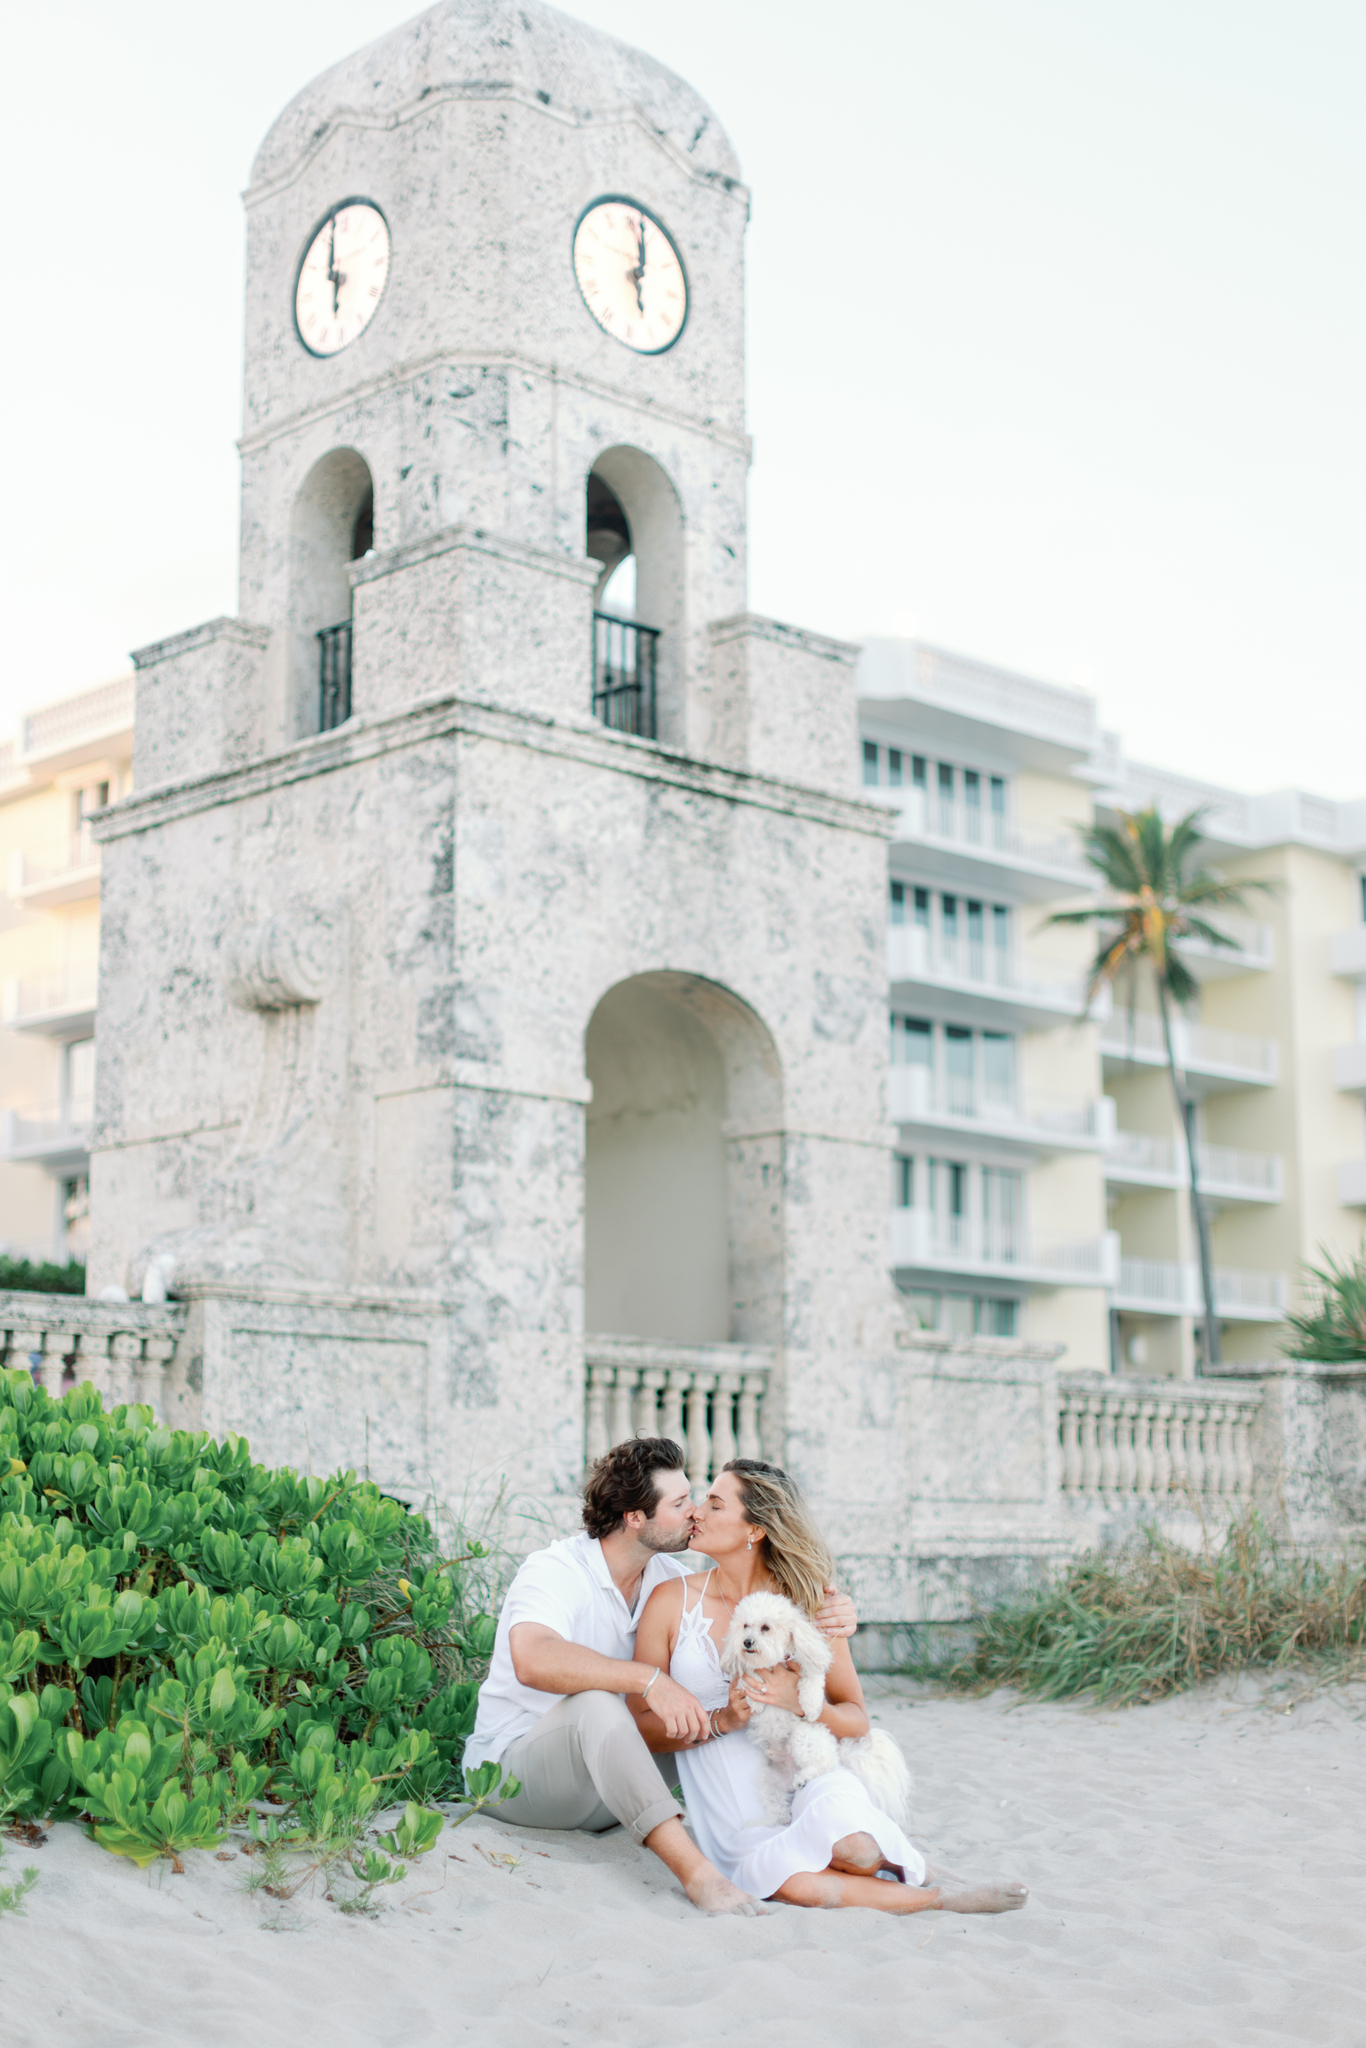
838 1615
547 1663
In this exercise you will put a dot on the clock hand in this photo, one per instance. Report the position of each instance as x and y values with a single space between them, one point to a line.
333 275
639 272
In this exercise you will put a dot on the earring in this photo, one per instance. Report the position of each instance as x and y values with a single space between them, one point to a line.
749 1543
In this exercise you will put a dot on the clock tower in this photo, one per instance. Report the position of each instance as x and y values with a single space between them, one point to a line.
493 994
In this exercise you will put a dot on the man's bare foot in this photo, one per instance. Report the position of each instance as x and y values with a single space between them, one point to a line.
712 1893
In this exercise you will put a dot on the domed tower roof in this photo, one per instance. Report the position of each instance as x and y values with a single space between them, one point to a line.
483 48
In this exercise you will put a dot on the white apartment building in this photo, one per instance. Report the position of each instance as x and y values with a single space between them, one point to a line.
67 760
1039 1181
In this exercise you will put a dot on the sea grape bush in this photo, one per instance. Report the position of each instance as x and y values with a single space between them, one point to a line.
185 1634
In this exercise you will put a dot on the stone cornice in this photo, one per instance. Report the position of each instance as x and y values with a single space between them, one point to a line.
201 636
483 91
588 743
371 567
489 359
752 626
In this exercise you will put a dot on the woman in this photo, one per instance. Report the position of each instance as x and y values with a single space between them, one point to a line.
838 1849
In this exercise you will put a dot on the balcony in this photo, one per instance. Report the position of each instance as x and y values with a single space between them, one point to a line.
57 1141
1042 1124
58 1005
1352 1183
1134 1160
625 660
961 1246
972 983
1253 950
1213 1059
1165 1287
1347 953
980 849
1349 1067
67 872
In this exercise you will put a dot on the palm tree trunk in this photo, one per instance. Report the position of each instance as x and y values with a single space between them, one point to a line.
1185 1109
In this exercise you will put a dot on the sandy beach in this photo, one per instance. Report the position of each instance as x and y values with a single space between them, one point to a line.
1196 1870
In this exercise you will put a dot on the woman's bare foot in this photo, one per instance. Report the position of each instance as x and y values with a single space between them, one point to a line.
957 1895
712 1893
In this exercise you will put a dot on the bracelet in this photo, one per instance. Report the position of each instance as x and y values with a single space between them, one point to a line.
646 1694
711 1722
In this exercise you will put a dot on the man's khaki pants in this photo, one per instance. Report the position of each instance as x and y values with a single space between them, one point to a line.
585 1765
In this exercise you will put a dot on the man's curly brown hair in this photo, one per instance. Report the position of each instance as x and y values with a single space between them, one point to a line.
625 1480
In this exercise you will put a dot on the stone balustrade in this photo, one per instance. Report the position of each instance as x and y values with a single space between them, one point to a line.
124 1348
1153 1438
708 1398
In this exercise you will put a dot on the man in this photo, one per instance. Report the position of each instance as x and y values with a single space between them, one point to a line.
552 1710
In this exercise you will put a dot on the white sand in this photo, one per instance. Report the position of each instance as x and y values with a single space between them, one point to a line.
1197 1873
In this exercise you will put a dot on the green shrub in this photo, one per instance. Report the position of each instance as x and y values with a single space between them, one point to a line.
1137 1623
21 1276
1334 1328
184 1633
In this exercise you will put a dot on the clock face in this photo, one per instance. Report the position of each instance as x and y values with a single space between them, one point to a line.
631 275
342 277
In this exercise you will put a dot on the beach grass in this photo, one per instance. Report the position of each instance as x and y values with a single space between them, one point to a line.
1148 1619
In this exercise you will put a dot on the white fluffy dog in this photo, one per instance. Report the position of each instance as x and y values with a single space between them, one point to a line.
769 1630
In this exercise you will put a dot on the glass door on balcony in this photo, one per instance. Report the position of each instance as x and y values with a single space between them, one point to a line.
1002 1196
960 1092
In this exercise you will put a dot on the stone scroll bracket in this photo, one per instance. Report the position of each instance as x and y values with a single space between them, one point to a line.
285 961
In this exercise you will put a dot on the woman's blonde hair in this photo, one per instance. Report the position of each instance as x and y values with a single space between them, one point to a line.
796 1559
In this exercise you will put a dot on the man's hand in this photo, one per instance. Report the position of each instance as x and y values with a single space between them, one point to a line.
684 1720
776 1687
838 1615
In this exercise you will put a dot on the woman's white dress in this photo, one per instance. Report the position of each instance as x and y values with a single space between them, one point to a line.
721 1783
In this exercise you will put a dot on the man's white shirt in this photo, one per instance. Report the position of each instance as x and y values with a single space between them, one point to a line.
567 1587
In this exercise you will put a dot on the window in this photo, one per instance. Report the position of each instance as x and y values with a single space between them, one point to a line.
948 918
976 928
898 908
905 1182
918 779
998 1068
981 1315
946 779
1000 927
894 767
1002 1205
959 1097
870 764
78 1082
998 796
972 789
922 909
912 1042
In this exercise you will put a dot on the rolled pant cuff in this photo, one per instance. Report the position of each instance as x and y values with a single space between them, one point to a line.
646 1823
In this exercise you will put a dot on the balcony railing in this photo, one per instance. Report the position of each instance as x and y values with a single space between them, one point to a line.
927 815
1155 1438
922 1237
1253 944
1169 1287
334 676
1222 1167
63 871
67 993
50 1134
707 1398
105 709
914 955
625 658
914 1092
1138 1035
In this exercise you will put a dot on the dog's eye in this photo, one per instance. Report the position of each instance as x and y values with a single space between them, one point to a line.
763 1628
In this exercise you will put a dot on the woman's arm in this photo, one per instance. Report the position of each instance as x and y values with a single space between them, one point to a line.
655 1639
844 1713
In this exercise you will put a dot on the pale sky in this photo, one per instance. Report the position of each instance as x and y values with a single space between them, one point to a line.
1057 336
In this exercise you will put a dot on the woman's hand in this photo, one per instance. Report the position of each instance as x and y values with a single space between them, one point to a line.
776 1687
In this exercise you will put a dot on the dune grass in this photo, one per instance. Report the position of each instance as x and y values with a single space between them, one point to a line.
1137 1623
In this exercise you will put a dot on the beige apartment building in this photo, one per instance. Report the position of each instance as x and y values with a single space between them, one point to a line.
1040 1182
68 759
1038 1185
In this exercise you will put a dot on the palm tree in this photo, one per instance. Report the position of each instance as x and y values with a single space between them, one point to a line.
1158 891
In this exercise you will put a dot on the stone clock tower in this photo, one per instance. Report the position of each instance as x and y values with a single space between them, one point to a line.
492 1010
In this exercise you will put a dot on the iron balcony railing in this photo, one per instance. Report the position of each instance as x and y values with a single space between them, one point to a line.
334 675
624 662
